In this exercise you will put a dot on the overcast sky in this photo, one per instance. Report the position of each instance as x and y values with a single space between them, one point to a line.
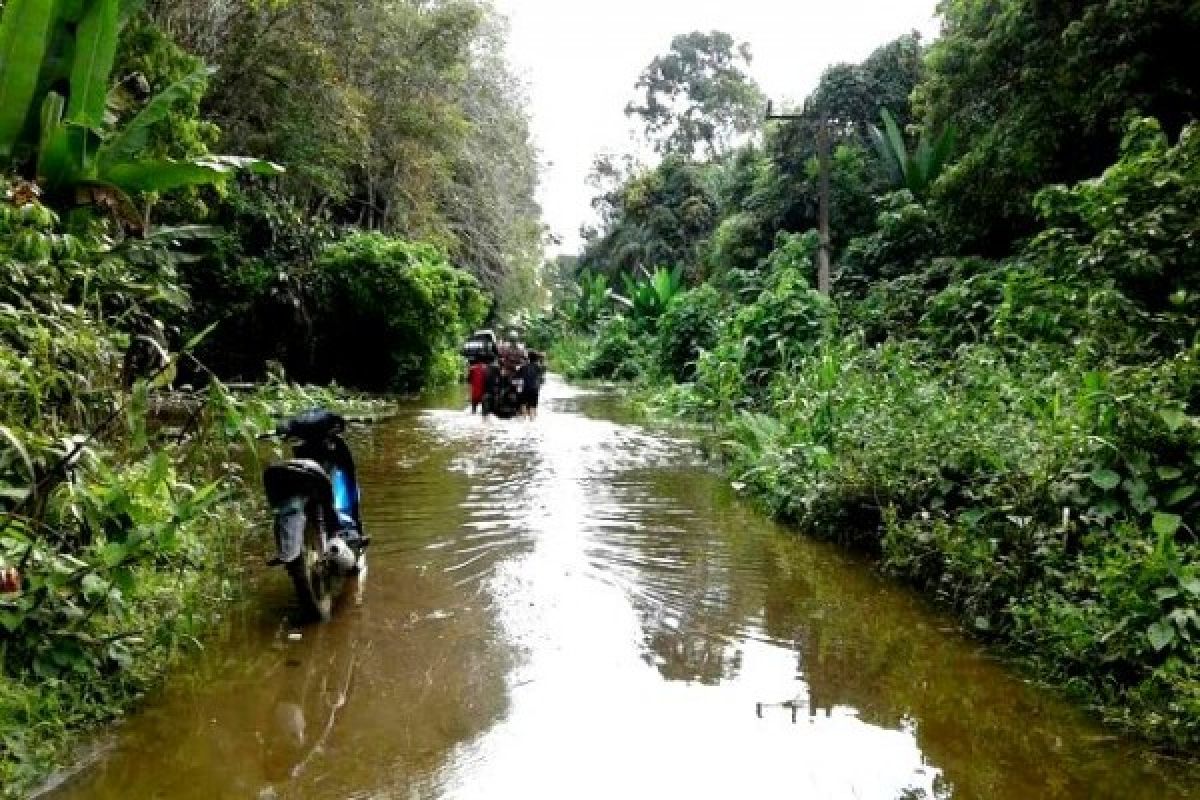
581 58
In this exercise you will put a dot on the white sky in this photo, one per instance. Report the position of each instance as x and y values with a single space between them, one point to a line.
581 59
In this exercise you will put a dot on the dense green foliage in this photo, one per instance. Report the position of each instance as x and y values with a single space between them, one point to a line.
125 511
698 94
398 117
138 265
999 400
398 313
1038 91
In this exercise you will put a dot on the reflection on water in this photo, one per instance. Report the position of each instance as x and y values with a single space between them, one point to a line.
577 608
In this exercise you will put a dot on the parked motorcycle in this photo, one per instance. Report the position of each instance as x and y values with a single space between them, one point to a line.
314 497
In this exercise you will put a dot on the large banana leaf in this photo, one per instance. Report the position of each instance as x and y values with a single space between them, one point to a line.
943 149
915 171
127 143
59 163
896 142
71 11
164 175
666 285
24 36
95 49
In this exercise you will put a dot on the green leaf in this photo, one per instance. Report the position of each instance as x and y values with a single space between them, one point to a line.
11 620
972 516
18 446
1174 418
1168 473
191 343
128 143
1180 494
93 585
1166 593
95 49
1166 524
159 176
1160 634
164 175
1191 586
24 37
113 553
124 579
63 159
173 234
1106 479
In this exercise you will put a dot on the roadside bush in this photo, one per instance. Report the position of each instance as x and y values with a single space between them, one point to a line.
257 278
690 325
617 354
786 318
395 308
905 238
1133 230
738 243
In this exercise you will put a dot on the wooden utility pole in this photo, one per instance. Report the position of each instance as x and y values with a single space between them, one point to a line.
823 167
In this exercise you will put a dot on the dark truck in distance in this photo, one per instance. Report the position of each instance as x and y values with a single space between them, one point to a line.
481 346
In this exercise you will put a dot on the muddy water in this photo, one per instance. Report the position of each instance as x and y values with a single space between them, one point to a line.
575 608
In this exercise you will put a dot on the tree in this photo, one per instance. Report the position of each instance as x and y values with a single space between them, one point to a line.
658 217
490 201
775 187
698 95
1038 92
402 117
853 95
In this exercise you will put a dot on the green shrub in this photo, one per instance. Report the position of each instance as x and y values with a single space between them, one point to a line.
125 524
787 317
689 326
616 354
395 307
906 236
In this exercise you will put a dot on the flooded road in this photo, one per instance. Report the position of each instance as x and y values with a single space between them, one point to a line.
576 608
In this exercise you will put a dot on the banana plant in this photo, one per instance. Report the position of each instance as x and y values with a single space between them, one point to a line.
915 171
77 152
593 291
649 297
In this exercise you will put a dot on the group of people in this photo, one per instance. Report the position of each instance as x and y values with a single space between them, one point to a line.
507 382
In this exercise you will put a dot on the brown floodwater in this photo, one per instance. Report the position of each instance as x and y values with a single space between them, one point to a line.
577 608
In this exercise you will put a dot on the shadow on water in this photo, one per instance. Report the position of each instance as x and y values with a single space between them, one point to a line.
576 607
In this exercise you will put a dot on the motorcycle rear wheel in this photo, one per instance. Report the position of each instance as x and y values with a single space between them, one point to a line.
313 585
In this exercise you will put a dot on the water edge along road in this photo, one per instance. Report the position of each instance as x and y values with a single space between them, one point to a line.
578 608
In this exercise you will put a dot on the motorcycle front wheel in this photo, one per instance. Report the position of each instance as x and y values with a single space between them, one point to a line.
313 584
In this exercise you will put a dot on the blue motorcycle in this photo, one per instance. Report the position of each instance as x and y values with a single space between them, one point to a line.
314 498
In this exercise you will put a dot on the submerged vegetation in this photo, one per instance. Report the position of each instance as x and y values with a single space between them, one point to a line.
380 205
999 397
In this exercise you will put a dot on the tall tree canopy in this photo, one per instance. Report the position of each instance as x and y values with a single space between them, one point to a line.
726 212
698 95
402 117
1038 91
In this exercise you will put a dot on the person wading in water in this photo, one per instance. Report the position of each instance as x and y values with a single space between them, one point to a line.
532 375
477 375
